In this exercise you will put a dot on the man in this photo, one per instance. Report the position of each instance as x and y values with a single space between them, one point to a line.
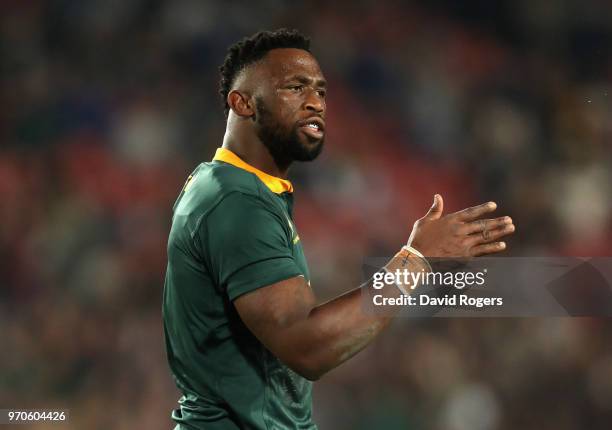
244 334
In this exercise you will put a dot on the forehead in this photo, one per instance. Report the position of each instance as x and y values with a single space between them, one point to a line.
284 62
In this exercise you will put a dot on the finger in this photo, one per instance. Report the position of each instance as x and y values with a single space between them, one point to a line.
487 248
472 213
487 236
436 209
485 224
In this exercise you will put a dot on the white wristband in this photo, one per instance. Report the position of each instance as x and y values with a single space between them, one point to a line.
416 252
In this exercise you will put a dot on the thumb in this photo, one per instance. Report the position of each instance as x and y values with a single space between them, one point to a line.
436 209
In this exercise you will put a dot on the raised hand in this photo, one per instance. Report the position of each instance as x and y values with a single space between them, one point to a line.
461 234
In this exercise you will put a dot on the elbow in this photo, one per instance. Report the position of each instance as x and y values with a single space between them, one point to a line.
308 368
310 374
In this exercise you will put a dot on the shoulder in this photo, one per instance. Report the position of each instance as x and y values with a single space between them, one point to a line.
212 183
218 194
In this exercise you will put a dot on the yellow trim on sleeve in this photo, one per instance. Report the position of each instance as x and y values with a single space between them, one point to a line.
276 185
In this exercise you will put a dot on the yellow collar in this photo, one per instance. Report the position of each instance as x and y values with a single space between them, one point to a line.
276 185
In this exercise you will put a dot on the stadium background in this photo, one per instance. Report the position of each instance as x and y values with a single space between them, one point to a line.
108 105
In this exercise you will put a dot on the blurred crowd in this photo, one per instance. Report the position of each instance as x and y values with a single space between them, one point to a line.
108 105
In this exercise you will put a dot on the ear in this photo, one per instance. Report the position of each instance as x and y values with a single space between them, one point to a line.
240 103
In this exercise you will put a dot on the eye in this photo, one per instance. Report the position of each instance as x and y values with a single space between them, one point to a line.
296 88
322 93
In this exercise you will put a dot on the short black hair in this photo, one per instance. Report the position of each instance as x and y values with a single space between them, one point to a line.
252 49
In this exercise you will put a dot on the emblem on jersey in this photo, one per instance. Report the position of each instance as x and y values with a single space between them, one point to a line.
293 233
187 182
290 225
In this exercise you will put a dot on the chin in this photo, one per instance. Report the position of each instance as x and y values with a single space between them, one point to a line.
309 150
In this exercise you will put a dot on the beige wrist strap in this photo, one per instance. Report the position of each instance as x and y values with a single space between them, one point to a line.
410 259
414 251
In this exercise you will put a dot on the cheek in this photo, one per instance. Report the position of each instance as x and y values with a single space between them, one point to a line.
289 100
289 107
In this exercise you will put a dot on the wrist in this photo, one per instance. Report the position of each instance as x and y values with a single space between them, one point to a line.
410 260
415 251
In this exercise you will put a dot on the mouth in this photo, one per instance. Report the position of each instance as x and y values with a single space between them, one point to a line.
313 127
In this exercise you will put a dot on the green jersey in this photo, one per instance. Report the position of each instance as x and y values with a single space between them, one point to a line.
232 232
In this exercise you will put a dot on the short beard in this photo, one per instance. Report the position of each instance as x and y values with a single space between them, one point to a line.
283 145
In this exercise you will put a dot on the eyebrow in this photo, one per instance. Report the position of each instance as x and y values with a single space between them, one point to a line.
322 83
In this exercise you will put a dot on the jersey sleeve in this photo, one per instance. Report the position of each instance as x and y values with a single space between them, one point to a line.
247 245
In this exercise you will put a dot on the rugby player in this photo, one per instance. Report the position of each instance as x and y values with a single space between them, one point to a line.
244 333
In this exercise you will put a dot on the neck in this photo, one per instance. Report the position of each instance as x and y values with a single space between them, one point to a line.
246 145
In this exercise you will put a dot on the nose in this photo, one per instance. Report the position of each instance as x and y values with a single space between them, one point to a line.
314 102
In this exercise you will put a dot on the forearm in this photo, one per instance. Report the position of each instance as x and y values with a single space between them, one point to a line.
335 331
